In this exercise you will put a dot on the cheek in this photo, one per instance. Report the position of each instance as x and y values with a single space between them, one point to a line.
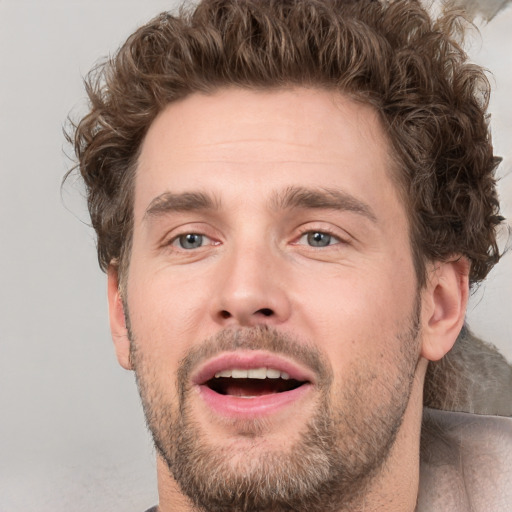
358 313
369 293
164 314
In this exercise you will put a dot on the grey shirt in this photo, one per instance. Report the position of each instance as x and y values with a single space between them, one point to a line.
466 463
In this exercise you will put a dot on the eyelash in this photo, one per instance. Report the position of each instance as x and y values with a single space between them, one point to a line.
323 231
176 241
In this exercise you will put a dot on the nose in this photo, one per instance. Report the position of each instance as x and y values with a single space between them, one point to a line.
251 289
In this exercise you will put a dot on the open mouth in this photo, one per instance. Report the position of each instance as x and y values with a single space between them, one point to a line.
249 384
254 382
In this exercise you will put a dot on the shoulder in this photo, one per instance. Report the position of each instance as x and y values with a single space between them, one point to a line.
466 462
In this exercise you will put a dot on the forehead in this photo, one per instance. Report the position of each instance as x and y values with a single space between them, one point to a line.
263 141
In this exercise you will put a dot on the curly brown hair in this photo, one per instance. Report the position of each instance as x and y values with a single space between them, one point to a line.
392 55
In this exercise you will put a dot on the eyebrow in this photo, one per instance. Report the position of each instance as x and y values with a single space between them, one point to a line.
169 202
321 198
290 198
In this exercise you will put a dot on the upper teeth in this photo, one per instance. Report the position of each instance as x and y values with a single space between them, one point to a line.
253 373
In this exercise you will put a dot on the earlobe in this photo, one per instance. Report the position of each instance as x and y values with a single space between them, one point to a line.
445 299
118 327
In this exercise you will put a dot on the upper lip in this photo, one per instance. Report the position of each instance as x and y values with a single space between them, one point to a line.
247 359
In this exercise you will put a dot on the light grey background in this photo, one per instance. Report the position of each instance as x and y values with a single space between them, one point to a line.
72 435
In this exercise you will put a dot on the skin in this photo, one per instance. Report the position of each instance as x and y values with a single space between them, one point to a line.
256 267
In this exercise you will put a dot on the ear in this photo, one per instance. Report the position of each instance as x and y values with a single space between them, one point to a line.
117 319
445 298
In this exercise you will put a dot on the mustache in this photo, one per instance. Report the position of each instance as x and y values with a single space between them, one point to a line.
256 338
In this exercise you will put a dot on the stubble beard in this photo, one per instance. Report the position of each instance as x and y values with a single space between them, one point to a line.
335 459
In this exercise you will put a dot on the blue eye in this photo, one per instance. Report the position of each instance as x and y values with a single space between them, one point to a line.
190 241
318 239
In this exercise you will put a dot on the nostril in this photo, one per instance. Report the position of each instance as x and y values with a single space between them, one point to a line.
267 312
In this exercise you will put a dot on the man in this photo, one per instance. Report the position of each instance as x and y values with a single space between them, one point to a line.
292 199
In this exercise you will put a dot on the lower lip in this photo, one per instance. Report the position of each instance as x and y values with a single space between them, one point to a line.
251 407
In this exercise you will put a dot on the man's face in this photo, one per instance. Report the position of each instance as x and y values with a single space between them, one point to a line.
271 297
